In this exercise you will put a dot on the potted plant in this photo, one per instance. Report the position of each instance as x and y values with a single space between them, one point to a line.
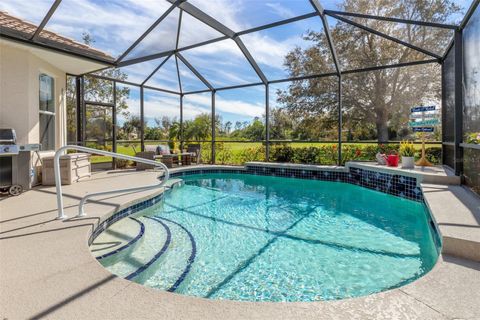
407 151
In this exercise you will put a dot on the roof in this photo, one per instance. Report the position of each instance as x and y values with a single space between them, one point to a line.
10 25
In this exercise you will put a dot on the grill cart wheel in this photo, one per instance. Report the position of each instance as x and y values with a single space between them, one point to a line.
15 190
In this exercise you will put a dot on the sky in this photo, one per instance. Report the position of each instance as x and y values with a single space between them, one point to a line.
116 24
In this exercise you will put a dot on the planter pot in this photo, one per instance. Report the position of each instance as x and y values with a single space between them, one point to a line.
408 162
381 158
392 160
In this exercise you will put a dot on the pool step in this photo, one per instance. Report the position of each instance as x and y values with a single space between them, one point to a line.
117 238
132 261
170 272
165 256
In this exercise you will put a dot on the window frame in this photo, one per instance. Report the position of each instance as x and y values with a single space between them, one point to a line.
50 114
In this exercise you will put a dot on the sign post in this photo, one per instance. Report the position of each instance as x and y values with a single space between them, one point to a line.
423 119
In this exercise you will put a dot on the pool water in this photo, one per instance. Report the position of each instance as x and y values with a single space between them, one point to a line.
260 238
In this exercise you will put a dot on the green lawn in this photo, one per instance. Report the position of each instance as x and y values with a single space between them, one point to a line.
236 150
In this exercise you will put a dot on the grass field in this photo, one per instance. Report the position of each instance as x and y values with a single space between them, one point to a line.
234 152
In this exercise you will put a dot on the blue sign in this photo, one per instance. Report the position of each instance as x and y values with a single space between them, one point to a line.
422 109
423 129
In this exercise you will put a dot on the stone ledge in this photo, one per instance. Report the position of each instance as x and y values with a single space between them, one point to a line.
433 175
296 166
456 212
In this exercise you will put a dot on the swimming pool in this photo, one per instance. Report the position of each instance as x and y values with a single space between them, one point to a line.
262 238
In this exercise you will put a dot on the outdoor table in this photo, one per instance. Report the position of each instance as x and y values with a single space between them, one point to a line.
167 159
186 158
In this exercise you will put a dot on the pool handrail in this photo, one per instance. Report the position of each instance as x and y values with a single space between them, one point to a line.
58 183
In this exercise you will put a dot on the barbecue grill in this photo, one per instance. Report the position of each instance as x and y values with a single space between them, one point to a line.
15 163
8 149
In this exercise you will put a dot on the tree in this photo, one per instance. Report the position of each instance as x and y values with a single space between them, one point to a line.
384 97
228 127
238 125
132 125
281 124
255 131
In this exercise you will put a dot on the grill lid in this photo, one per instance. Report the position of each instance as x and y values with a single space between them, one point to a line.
7 136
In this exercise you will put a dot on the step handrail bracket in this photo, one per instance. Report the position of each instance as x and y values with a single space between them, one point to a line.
81 212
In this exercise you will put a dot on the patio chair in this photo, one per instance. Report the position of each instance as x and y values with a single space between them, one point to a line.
163 153
194 149
149 155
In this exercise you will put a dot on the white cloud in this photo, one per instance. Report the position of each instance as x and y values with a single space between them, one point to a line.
226 12
32 11
280 10
222 105
157 105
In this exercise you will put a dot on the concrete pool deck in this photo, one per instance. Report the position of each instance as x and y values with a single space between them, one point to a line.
47 271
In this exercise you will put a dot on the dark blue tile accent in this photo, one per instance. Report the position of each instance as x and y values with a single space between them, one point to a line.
127 245
190 260
397 185
157 255
122 214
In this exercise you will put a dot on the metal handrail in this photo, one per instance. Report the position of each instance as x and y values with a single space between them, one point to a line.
58 181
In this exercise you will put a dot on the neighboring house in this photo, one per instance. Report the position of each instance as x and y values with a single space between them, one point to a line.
33 68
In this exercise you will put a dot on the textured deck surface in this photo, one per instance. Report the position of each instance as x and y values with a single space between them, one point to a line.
47 271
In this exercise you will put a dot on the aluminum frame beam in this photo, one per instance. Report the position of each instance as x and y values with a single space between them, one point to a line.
391 19
155 70
178 76
469 14
306 77
458 110
383 35
150 29
142 119
464 22
211 22
132 83
326 28
195 72
45 20
218 39
180 87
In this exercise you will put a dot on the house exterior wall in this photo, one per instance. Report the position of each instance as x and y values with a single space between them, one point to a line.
19 94
19 99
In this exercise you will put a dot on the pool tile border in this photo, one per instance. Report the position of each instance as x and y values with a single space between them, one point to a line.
128 211
394 184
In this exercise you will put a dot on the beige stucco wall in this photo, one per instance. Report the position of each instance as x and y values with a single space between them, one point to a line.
19 94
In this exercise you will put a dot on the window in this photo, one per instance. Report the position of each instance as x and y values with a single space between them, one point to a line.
47 112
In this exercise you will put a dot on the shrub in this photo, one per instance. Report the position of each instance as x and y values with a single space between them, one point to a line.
389 148
252 154
281 153
122 163
307 155
351 153
473 138
206 152
329 154
369 152
223 154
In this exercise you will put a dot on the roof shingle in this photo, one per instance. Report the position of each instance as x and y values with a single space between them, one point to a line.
24 29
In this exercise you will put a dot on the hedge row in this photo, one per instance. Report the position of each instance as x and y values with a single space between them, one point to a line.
328 155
